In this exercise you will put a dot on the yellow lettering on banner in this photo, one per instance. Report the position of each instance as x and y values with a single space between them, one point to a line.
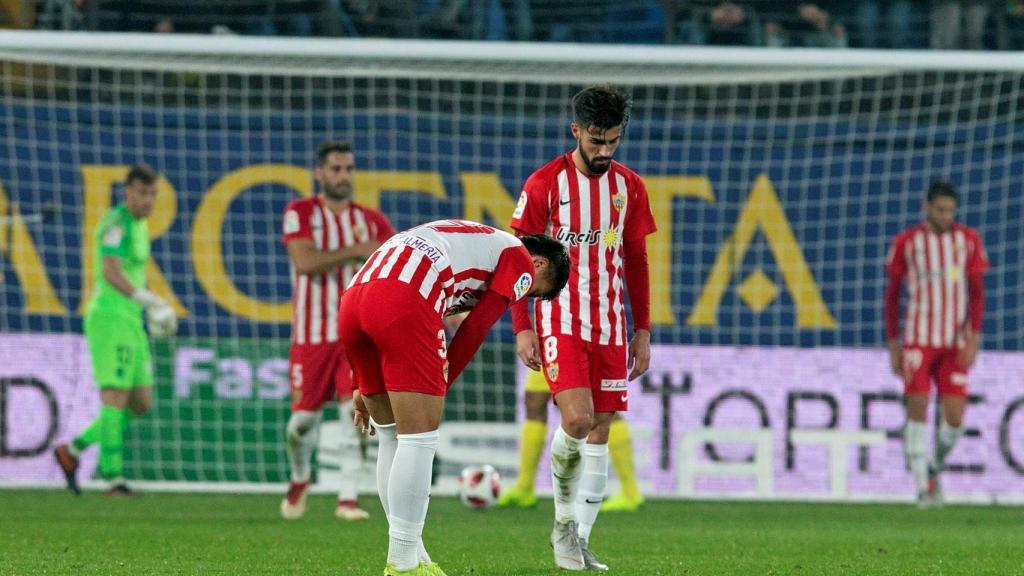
763 210
207 230
483 193
98 181
662 191
208 245
370 184
39 296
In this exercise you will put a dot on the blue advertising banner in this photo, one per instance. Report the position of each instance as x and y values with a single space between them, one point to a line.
770 233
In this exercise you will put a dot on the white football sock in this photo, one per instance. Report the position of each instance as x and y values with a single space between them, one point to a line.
915 447
409 496
303 431
948 437
350 456
591 488
565 473
387 444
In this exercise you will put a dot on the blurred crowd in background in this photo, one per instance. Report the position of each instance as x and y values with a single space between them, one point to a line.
915 24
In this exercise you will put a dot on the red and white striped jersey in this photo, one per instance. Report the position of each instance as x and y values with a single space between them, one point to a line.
936 268
316 297
453 262
591 216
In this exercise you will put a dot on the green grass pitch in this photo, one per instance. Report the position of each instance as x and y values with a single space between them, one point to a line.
52 532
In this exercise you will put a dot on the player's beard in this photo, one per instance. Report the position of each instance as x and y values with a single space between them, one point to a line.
592 163
938 227
341 191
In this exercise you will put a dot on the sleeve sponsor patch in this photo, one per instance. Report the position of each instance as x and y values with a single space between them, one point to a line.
291 222
112 237
522 286
520 206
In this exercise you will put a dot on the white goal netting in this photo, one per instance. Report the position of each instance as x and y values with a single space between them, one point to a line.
777 180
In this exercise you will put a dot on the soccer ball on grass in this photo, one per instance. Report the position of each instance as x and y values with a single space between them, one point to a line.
479 486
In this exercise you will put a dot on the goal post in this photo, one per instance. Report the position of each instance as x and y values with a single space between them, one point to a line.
777 179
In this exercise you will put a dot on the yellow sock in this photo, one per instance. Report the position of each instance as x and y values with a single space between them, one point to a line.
531 446
620 447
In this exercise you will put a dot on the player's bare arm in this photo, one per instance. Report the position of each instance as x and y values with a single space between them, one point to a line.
967 354
310 261
639 354
528 349
360 415
896 358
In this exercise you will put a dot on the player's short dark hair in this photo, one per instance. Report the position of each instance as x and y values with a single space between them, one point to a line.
328 147
943 188
604 106
142 173
554 252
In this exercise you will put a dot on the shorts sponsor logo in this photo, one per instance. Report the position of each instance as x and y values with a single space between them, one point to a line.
959 379
553 371
520 206
523 285
613 385
291 222
112 237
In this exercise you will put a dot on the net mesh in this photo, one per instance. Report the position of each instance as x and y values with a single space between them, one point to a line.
822 166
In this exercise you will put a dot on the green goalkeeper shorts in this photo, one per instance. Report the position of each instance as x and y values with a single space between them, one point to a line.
119 350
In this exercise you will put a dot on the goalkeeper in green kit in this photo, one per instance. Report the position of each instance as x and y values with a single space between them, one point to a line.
114 331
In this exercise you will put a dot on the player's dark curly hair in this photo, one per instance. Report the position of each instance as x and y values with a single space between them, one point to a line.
604 106
942 188
554 252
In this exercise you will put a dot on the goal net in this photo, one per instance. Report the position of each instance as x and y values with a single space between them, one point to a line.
777 179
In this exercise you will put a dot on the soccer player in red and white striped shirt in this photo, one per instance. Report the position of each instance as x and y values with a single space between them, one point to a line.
328 236
942 264
599 210
393 329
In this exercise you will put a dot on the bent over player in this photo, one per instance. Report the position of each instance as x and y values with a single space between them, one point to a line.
942 264
392 326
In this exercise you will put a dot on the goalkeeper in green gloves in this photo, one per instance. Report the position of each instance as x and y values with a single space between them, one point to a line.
114 331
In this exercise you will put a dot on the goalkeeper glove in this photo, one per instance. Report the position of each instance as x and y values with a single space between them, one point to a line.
160 317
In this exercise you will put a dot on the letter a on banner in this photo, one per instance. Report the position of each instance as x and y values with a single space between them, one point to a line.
763 210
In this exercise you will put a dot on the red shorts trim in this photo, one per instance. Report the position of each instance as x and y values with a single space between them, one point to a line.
319 373
395 341
571 362
939 364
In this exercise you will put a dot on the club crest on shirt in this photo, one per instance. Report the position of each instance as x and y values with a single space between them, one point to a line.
291 222
112 237
520 206
359 232
610 238
522 286
619 201
955 273
553 372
